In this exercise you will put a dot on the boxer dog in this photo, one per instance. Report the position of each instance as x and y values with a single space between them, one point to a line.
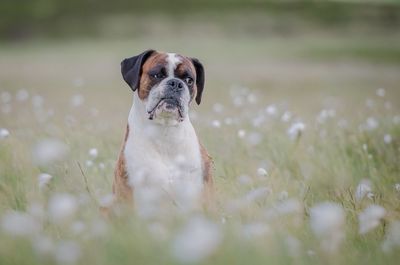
161 148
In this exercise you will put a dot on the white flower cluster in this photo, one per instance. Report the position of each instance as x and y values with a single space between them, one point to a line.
327 221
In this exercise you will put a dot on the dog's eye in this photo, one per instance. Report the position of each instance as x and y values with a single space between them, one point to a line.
158 75
189 81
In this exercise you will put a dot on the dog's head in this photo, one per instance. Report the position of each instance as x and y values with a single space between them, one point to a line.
166 83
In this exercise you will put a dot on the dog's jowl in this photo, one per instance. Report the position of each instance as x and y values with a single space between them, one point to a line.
161 157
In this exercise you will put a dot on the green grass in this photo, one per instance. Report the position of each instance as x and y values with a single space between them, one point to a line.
300 74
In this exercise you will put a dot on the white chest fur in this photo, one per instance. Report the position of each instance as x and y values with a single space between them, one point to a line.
164 156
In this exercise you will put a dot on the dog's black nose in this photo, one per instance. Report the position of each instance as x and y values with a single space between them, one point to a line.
175 85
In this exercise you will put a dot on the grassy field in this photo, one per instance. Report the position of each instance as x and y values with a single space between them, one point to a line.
291 122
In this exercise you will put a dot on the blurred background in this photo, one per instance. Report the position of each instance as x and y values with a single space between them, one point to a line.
316 48
125 19
304 54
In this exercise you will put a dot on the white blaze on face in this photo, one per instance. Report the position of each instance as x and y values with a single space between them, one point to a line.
157 111
173 61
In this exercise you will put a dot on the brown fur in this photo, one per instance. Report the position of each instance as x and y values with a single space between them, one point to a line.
145 82
187 66
121 188
207 176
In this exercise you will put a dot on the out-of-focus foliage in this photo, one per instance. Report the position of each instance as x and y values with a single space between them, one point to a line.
58 18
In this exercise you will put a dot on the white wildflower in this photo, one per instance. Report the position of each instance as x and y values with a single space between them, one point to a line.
241 133
283 195
89 163
22 95
396 119
70 120
78 227
295 130
286 116
4 133
106 201
253 230
322 116
94 112
43 180
6 108
387 138
370 218
258 120
47 151
286 207
244 180
369 103
5 97
238 101
251 98
254 138
228 121
78 81
310 252
216 123
397 187
19 224
42 245
365 147
98 228
325 114
342 123
196 241
158 230
363 189
380 92
102 166
218 107
187 194
327 222
37 101
271 110
392 237
83 198
77 100
62 207
257 194
67 252
36 210
293 245
372 123
180 160
93 152
262 172
149 200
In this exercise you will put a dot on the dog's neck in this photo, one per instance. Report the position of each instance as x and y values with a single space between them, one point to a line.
158 135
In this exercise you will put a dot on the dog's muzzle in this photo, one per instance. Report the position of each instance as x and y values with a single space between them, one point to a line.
171 102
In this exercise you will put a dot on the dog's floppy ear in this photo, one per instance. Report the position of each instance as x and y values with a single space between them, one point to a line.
131 68
200 78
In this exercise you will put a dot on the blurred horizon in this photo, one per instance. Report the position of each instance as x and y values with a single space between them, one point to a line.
56 19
